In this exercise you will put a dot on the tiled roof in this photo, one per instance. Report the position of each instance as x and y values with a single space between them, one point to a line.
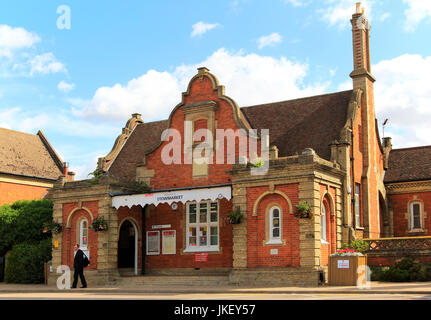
145 137
409 164
28 155
294 125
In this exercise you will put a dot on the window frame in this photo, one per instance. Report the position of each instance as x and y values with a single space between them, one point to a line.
271 238
81 246
411 213
323 224
197 225
357 206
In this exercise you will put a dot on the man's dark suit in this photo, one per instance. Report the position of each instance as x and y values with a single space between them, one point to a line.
78 265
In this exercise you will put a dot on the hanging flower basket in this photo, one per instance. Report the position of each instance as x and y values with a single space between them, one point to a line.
53 227
99 224
234 217
303 210
257 162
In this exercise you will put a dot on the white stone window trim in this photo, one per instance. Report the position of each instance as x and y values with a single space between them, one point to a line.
357 207
197 225
421 217
272 239
274 242
323 222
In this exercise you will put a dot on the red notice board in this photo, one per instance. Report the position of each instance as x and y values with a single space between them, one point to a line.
201 257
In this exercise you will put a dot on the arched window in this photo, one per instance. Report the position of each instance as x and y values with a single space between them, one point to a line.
83 234
323 235
275 224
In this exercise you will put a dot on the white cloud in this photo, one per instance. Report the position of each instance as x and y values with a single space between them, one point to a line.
45 63
403 95
201 27
346 85
65 87
339 12
8 116
152 94
12 39
297 3
18 119
19 57
269 40
417 11
249 78
332 72
384 17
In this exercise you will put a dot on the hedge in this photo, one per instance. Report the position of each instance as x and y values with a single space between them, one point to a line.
25 262
404 270
23 222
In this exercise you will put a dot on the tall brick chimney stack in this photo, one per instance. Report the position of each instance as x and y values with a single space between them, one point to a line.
363 80
361 45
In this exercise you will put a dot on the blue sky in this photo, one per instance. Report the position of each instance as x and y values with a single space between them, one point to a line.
80 85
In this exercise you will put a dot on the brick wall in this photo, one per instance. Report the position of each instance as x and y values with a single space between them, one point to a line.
258 253
163 214
400 206
71 234
11 192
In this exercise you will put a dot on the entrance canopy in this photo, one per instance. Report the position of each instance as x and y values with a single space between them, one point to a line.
170 196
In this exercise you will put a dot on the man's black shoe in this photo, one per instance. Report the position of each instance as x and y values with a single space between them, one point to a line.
72 287
84 287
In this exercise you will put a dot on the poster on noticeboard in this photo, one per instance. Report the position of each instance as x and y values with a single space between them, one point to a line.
169 242
153 242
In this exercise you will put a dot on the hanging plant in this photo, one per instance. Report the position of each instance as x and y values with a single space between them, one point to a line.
53 227
303 210
234 217
99 224
257 162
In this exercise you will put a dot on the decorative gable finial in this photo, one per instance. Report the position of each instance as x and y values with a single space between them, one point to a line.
202 71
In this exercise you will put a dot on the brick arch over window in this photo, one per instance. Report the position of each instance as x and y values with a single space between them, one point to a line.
69 218
263 195
327 196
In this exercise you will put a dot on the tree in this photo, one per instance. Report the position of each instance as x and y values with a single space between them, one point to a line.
21 234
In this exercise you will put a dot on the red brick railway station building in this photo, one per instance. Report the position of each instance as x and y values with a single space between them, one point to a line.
172 218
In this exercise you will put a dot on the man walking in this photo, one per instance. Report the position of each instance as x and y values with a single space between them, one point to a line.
78 266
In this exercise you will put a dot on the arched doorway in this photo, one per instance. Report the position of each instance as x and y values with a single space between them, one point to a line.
128 246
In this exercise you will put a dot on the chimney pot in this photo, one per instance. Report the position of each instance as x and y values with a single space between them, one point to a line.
358 7
65 168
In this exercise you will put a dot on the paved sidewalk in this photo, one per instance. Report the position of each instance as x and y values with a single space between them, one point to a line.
375 288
